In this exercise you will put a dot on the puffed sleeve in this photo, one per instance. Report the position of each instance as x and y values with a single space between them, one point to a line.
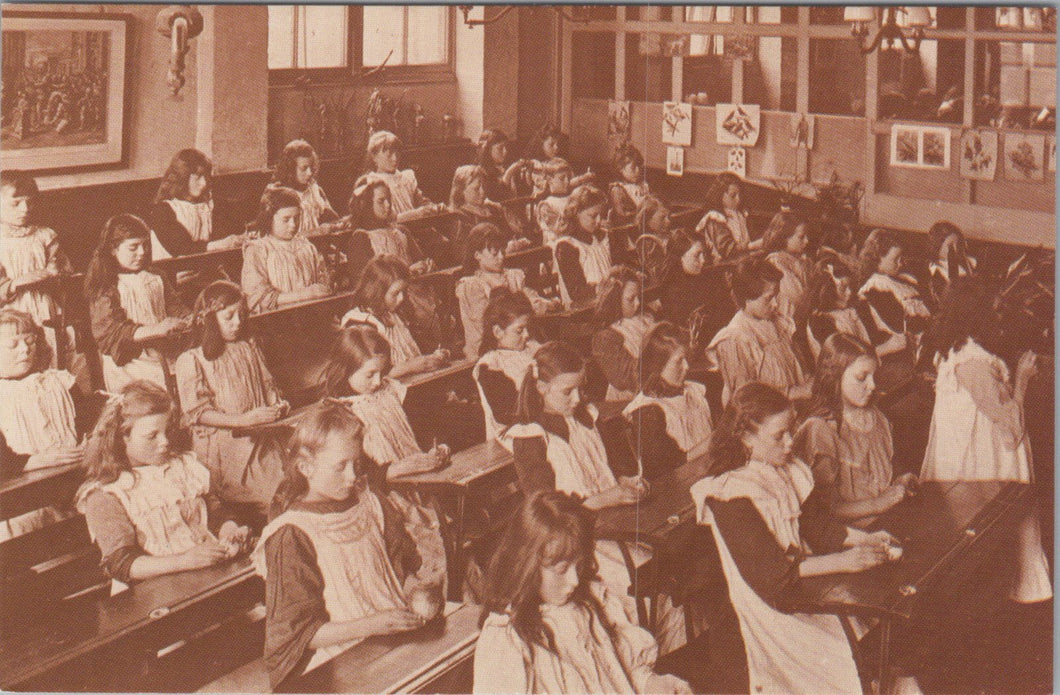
261 295
56 258
636 647
501 665
739 362
196 396
818 444
6 291
993 396
418 198
621 368
114 533
294 602
531 464
658 450
112 328
570 269
272 392
473 300
501 393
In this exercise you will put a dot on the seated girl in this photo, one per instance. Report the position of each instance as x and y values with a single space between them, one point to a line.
376 231
338 563
282 267
151 510
949 251
786 242
550 626
548 211
129 306
846 440
297 169
507 353
223 384
379 301
685 288
559 442
583 251
724 227
834 308
757 345
669 417
406 197
468 199
629 191
650 239
30 257
501 179
38 417
896 304
183 218
623 325
759 506
358 376
484 272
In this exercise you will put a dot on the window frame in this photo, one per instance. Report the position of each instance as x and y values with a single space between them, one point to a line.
354 72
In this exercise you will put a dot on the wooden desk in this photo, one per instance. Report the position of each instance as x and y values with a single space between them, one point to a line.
32 489
946 531
404 663
199 261
469 473
83 628
667 507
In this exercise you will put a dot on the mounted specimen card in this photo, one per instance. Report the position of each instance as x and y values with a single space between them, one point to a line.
738 124
1024 157
802 126
979 154
920 147
677 124
618 121
737 162
675 161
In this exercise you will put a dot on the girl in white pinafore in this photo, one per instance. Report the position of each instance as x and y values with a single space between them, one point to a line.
977 430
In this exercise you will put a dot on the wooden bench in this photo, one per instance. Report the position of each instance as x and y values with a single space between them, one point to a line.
437 658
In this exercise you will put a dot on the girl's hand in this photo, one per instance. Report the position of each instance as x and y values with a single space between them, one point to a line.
1027 368
516 245
234 241
863 557
666 683
635 483
894 494
264 414
421 267
438 358
909 481
423 462
896 343
169 324
56 457
626 495
393 621
32 277
441 454
800 392
204 554
234 537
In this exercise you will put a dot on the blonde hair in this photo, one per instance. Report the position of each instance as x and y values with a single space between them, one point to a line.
382 140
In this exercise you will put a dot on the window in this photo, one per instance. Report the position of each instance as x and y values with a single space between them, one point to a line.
307 36
334 41
593 65
405 35
837 77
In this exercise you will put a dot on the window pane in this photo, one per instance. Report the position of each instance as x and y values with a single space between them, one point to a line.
325 37
383 27
709 13
923 86
593 65
827 14
837 77
770 79
650 13
649 66
428 34
1018 81
281 37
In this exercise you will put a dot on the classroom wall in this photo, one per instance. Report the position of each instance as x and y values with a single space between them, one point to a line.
1014 212
220 109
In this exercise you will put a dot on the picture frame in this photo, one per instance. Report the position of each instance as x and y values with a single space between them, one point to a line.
67 91
737 124
920 147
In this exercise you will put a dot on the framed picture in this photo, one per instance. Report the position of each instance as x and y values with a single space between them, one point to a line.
677 124
65 91
1024 157
675 161
979 154
922 147
618 121
736 161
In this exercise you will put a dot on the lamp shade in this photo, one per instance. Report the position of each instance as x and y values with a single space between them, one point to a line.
859 14
916 17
